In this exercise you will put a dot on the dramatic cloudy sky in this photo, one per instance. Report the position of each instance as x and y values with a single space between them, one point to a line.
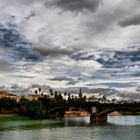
64 43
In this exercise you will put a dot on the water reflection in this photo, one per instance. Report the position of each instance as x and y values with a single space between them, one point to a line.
72 129
69 122
83 121
38 124
124 120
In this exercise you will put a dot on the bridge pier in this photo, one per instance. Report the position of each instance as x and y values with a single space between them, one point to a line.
95 115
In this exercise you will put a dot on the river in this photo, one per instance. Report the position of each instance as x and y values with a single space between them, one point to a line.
116 128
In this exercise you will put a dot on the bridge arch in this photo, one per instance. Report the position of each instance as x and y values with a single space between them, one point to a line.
61 111
57 108
107 111
67 108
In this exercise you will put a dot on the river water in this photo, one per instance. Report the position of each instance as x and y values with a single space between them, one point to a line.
116 128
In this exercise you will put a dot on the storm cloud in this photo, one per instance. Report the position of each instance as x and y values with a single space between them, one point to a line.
55 51
77 5
61 79
130 21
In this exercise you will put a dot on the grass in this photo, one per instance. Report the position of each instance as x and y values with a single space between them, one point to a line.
9 117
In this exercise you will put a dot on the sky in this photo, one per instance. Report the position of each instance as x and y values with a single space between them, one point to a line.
69 43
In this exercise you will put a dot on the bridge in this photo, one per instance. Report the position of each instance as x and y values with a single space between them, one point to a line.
98 111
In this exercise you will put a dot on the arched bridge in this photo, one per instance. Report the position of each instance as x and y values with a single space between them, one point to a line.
97 111
100 112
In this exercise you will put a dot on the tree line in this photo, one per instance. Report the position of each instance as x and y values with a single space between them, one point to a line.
38 109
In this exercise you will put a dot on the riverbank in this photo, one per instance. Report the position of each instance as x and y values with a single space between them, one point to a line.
121 113
12 117
76 114
115 113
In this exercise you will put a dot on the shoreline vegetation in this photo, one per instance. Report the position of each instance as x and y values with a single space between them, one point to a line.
13 117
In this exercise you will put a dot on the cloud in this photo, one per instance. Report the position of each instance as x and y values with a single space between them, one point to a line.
19 90
14 46
61 79
24 76
116 84
71 82
60 42
77 5
89 64
6 67
130 21
43 87
54 51
2 88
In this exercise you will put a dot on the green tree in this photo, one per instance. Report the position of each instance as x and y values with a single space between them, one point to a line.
51 92
65 93
36 92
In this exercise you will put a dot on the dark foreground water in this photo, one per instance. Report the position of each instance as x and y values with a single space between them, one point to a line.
117 128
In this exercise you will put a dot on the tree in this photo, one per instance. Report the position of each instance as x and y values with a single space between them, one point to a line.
104 98
65 93
36 110
84 98
51 92
36 92
39 89
23 106
69 94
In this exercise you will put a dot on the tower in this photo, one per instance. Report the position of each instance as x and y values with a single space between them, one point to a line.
80 93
